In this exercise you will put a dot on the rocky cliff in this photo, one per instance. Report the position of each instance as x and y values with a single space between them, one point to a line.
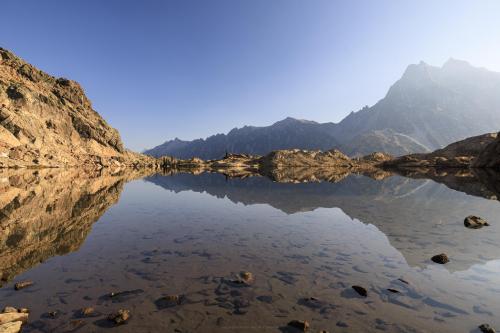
461 154
49 122
489 156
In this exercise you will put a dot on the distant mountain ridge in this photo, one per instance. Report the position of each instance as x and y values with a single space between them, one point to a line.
427 109
288 133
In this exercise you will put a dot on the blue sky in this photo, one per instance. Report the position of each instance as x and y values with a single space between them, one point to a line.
156 70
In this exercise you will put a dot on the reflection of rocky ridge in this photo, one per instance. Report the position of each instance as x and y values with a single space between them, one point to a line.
46 213
418 216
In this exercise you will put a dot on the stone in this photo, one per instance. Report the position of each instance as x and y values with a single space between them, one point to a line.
394 291
169 301
87 312
302 325
10 317
360 290
53 314
12 327
440 259
485 328
475 222
120 317
247 277
22 285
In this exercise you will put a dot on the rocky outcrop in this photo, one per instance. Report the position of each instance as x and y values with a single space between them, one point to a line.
461 154
49 122
489 156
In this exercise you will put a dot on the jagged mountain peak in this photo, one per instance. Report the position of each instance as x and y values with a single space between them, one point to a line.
293 121
428 108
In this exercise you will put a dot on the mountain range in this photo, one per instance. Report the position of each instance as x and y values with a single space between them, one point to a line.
427 109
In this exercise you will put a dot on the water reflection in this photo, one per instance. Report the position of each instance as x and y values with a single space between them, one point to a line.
49 212
417 215
191 235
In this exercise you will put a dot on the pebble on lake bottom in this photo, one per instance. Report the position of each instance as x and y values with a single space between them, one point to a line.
119 317
22 285
302 325
440 259
475 222
360 290
485 328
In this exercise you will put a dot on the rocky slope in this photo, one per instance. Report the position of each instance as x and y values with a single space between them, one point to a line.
49 122
489 157
427 109
461 154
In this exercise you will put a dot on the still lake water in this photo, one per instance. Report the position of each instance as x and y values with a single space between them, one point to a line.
80 238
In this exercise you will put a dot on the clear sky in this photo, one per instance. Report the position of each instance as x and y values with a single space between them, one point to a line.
156 70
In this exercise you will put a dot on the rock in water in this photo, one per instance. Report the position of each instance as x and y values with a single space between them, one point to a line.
485 328
360 290
475 222
302 325
87 312
22 285
440 259
12 327
11 317
120 317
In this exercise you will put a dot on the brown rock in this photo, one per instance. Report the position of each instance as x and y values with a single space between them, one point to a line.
11 317
360 290
22 285
475 222
440 259
120 317
485 328
302 325
12 327
86 312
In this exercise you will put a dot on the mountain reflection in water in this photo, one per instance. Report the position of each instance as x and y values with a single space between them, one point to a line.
189 234
417 215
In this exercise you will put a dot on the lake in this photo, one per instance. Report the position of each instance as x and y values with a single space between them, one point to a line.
80 237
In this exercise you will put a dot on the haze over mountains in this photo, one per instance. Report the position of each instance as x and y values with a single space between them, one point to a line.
428 108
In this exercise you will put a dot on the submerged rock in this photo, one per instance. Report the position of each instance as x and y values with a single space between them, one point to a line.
11 317
87 312
485 328
360 290
169 301
475 222
440 259
12 327
120 317
302 325
22 285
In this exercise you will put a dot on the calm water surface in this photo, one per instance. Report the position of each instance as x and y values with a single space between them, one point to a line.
79 239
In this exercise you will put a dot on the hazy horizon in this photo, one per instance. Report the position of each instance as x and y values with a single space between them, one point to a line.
157 70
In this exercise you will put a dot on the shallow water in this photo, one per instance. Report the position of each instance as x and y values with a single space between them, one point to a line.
80 238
